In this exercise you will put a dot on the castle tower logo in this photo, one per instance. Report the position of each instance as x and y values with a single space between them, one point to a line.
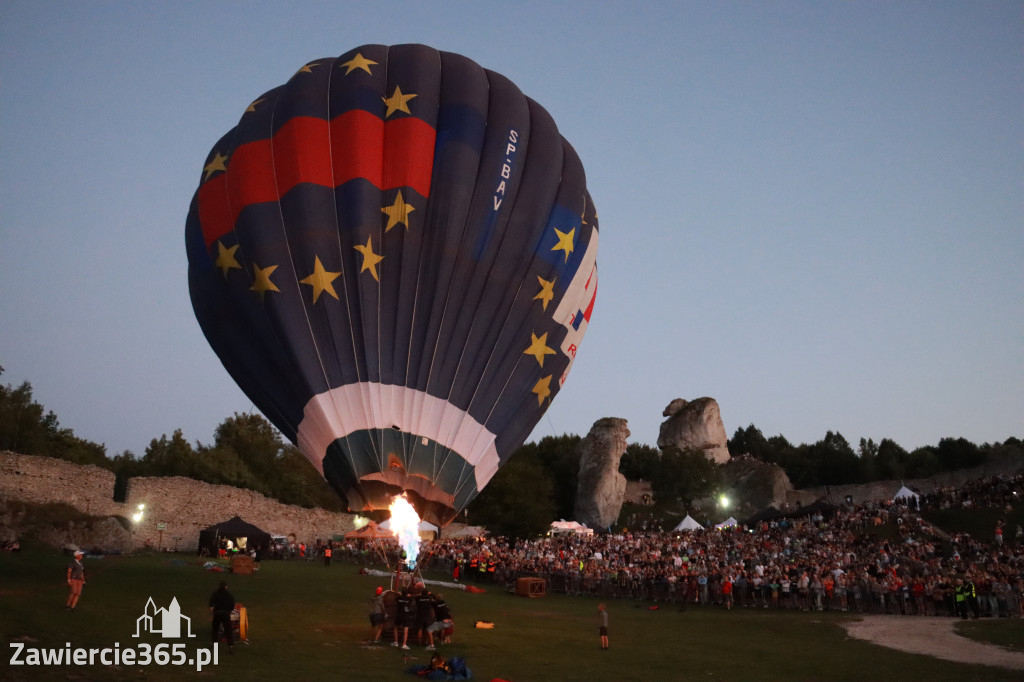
166 622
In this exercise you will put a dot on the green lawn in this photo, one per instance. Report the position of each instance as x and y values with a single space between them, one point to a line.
308 622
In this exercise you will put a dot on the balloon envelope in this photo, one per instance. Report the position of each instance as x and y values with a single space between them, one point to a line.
394 256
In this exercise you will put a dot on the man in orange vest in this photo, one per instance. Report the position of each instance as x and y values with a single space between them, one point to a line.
327 555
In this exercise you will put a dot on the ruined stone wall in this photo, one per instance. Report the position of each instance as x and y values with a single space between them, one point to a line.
185 506
45 480
638 492
176 508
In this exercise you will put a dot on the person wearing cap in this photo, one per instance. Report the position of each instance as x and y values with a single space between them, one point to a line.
377 614
76 578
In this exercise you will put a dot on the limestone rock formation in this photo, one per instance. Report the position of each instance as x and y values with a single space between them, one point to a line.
755 484
601 488
695 425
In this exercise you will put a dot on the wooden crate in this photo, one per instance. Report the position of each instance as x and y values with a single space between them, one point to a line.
531 587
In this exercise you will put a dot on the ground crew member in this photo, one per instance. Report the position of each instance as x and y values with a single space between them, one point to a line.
960 598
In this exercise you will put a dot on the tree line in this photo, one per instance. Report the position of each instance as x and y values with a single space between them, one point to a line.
247 452
537 485
833 461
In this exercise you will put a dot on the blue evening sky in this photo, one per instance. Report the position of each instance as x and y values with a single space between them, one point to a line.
810 211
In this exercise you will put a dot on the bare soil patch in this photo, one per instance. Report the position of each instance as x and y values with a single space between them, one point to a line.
931 636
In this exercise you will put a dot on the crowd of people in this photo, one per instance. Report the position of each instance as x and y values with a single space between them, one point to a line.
845 558
814 563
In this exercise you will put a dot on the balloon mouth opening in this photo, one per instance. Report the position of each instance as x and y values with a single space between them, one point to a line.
378 491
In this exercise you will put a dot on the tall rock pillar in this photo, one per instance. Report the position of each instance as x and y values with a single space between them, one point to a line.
601 488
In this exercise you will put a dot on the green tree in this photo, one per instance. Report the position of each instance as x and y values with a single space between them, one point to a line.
26 427
830 461
300 484
684 476
223 466
519 501
923 462
560 458
249 452
640 462
750 441
172 456
959 453
867 451
255 441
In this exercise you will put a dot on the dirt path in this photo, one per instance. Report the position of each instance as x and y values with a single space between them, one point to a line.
931 637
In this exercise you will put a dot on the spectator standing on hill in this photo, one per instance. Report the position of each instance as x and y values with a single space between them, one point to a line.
76 578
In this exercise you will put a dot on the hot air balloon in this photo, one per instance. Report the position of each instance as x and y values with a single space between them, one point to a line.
394 256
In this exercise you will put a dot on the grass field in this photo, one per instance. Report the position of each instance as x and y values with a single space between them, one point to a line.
308 622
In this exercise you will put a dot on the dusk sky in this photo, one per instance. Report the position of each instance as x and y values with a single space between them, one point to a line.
811 212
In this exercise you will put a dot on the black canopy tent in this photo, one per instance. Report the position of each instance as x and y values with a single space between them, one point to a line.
240 532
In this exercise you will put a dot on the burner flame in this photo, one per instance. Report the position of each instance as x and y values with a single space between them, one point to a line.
405 523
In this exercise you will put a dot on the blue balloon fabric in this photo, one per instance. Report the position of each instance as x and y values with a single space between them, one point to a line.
394 256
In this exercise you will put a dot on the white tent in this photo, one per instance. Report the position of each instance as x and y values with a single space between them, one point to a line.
908 497
563 526
689 524
727 523
426 529
462 531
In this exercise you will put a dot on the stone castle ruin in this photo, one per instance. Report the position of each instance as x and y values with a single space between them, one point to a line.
176 508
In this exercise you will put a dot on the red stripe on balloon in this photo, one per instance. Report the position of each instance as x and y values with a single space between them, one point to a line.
357 144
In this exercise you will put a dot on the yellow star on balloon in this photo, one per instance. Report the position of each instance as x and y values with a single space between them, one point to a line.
564 241
307 68
397 102
216 164
321 280
543 389
252 107
358 62
547 291
261 282
539 347
226 258
370 259
398 212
